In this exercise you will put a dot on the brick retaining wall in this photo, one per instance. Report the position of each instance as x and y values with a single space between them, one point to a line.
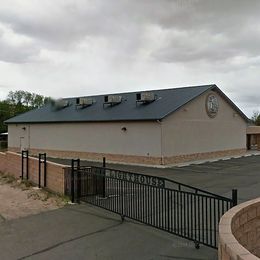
239 232
11 163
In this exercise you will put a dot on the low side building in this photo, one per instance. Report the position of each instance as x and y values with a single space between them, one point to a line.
253 138
3 141
156 127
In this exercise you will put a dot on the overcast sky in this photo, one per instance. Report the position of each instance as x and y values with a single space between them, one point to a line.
63 48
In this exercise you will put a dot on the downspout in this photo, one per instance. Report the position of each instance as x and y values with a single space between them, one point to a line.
161 145
29 136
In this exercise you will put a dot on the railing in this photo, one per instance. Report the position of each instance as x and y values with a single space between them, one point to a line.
42 161
168 205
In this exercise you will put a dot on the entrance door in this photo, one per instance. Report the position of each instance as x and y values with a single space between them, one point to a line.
22 144
248 142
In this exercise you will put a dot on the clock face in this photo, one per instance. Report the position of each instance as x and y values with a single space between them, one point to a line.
212 105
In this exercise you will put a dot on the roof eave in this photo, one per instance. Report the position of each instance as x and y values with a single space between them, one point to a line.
83 121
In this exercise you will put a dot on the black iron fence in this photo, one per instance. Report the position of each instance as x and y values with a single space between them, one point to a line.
42 167
171 206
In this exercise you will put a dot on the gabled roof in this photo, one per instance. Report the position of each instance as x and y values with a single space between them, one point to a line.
168 101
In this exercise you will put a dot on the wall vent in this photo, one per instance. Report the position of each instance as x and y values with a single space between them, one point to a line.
84 102
145 97
112 99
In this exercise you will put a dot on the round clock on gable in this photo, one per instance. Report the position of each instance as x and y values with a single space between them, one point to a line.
212 105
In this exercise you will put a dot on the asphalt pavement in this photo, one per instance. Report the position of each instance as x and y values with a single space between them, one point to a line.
86 232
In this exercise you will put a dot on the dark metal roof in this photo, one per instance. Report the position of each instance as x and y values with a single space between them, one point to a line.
167 102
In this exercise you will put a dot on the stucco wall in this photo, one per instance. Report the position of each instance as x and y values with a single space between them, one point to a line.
140 138
190 130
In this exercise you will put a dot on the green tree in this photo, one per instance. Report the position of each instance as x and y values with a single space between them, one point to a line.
5 113
256 118
18 102
38 101
25 98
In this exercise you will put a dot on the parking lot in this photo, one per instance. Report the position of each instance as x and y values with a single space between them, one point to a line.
219 177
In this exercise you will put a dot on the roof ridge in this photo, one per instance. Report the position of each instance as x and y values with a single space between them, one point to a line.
131 92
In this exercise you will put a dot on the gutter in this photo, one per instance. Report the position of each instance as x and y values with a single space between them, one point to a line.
161 137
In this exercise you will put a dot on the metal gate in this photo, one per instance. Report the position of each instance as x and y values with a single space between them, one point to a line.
168 205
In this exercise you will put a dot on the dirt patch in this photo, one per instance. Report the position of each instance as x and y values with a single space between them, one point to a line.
20 199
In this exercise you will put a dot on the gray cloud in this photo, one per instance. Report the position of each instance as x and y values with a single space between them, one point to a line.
253 100
127 45
14 54
64 24
213 31
13 48
192 30
194 46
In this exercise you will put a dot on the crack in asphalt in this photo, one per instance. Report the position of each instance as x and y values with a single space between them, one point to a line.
68 241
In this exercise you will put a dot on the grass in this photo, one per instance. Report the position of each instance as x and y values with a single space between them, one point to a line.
7 179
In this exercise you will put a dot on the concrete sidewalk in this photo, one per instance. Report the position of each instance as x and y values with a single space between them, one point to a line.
86 232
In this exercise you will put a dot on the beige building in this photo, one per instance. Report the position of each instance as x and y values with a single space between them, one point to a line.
155 127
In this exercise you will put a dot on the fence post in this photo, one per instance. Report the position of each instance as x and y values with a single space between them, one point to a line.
72 180
45 173
24 156
27 164
78 181
22 165
122 201
42 159
104 178
39 174
234 197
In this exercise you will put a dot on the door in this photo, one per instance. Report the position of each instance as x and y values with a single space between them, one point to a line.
248 142
22 144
